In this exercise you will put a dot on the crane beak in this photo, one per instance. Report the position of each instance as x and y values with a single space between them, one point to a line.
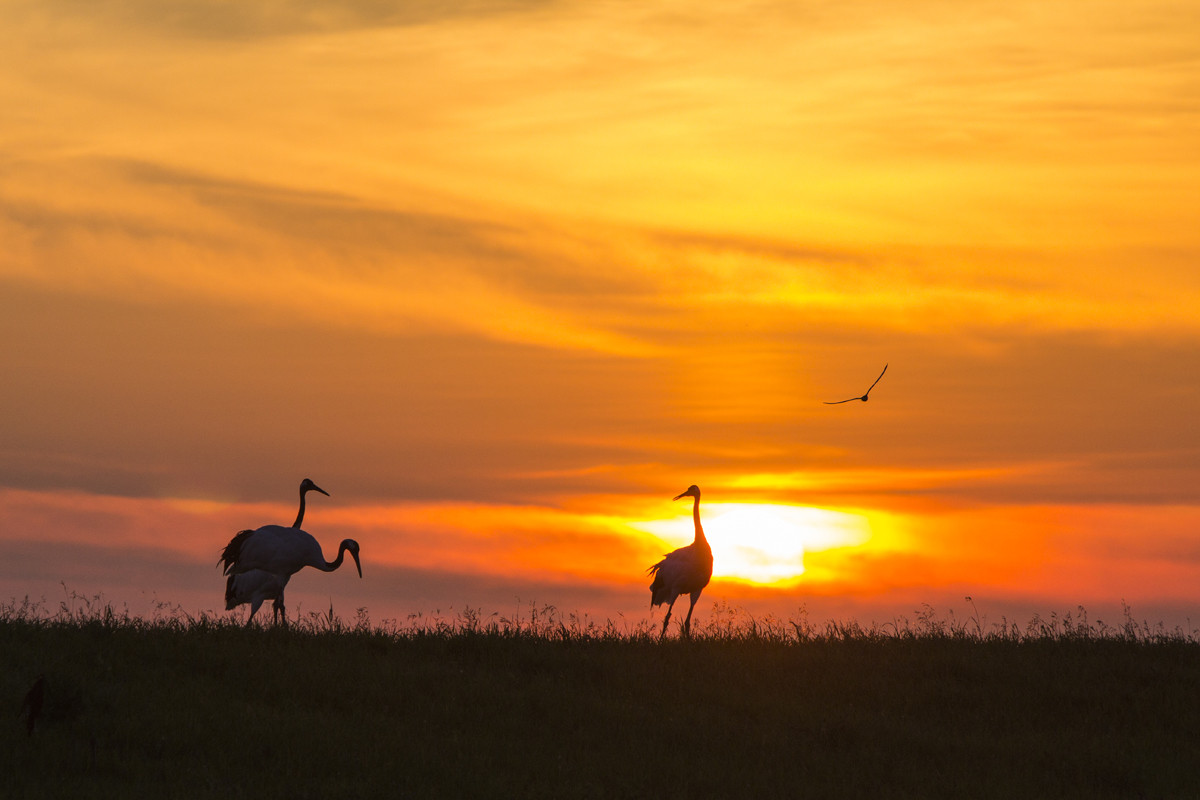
680 496
319 489
357 563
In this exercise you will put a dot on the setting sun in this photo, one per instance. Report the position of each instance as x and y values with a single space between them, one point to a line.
764 543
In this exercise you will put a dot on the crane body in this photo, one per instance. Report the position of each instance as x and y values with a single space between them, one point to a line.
254 587
683 571
281 551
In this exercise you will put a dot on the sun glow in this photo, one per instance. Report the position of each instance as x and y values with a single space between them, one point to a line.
766 544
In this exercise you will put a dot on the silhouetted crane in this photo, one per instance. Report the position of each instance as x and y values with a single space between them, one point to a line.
683 571
864 396
282 552
256 585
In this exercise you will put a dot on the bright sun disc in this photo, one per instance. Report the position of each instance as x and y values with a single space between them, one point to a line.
762 543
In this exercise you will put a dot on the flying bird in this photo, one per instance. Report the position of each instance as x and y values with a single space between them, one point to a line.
683 571
257 585
864 396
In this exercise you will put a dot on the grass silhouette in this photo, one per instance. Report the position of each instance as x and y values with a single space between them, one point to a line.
542 704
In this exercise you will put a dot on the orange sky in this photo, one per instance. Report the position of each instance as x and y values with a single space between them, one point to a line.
504 277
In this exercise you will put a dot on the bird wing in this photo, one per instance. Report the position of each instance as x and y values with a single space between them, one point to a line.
877 380
864 394
681 571
244 585
668 575
276 549
232 551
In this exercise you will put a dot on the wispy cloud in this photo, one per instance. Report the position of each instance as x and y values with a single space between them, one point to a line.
330 258
220 21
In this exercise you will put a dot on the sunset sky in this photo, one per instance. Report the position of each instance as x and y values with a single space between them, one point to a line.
505 277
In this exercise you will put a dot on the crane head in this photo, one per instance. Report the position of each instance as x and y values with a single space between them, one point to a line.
308 486
692 491
351 546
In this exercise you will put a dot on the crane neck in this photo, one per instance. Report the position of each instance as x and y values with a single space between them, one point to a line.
300 516
696 517
330 566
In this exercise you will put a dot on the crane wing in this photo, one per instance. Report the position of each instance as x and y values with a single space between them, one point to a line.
682 571
276 549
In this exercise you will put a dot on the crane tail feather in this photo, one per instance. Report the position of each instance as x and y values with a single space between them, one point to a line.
233 551
659 593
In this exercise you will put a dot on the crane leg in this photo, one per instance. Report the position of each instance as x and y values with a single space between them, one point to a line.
667 619
687 622
254 606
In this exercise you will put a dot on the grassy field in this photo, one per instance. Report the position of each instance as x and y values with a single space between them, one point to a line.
560 707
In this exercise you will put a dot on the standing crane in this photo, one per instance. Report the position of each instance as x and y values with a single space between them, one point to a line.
282 552
254 587
683 571
257 585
